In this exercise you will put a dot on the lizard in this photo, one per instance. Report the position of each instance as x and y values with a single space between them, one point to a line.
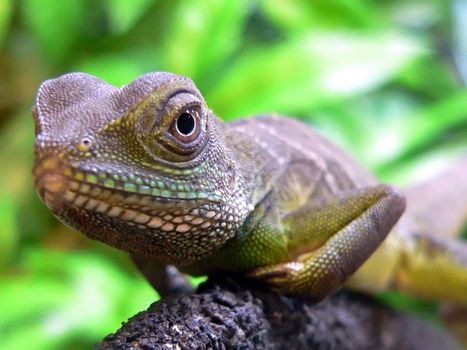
149 169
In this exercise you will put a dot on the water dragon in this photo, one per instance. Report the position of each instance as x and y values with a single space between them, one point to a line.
150 169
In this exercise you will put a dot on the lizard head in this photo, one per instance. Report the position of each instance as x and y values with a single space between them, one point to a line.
143 168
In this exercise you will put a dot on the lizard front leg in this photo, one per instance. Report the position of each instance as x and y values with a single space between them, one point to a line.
166 279
330 240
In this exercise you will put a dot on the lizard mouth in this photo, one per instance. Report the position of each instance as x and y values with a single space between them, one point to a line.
62 188
114 209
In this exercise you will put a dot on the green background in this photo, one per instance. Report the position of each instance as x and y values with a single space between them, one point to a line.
385 79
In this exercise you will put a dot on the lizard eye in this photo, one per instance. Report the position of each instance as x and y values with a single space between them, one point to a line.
186 127
177 130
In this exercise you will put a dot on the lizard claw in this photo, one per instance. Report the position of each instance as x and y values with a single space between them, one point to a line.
279 277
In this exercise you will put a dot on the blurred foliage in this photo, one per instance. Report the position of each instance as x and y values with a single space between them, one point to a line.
384 79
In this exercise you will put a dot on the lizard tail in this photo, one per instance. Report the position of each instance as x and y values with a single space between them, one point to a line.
440 204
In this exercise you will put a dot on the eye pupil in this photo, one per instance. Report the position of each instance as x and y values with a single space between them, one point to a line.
185 124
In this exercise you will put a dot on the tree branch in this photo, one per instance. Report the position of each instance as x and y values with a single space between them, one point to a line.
230 314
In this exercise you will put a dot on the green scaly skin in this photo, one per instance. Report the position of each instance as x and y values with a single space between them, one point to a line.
149 169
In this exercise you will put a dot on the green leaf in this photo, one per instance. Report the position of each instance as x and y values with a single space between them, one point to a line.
431 77
56 25
290 15
204 35
295 76
16 138
66 298
419 130
8 232
371 123
124 14
117 69
5 14
295 16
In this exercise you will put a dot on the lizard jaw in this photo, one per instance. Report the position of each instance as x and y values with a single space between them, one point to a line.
116 215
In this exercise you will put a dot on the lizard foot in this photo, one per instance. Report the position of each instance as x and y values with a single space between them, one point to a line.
281 277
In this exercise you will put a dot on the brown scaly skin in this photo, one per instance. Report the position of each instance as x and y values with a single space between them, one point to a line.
149 169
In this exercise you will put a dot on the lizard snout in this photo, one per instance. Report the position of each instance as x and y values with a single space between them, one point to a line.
50 181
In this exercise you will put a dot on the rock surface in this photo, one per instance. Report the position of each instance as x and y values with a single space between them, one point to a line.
226 314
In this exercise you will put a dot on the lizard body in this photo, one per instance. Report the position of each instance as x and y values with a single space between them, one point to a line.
149 169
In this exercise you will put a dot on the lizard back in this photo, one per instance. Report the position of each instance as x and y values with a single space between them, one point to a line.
297 162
